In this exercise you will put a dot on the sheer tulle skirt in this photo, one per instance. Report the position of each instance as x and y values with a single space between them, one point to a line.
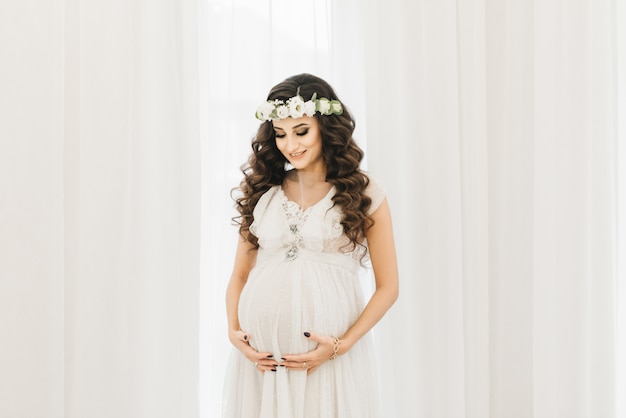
319 293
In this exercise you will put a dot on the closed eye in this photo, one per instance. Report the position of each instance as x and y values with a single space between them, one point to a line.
302 133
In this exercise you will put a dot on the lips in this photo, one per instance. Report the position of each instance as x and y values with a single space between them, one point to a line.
297 154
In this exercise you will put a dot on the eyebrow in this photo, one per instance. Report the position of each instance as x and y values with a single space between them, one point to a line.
295 127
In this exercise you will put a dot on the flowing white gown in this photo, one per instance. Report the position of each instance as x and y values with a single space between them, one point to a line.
302 281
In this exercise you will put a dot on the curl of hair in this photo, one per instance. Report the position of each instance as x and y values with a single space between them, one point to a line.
266 166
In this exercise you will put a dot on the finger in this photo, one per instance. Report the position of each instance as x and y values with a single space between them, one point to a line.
311 370
259 368
267 362
243 336
264 362
254 356
296 357
311 336
319 339
265 367
292 365
264 356
297 365
318 353
251 354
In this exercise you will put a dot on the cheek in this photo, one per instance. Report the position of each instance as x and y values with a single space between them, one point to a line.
319 145
314 141
281 148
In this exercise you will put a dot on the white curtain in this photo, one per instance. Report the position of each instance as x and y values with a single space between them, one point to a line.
99 209
495 125
31 211
620 63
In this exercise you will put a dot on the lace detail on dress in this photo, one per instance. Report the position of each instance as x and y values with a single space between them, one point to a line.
332 231
376 193
295 219
282 226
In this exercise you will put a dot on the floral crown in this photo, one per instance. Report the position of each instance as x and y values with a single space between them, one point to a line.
296 107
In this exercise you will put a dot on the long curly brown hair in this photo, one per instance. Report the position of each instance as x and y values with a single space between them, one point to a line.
266 166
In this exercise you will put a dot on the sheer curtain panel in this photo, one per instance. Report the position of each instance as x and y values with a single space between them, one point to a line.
620 294
100 210
31 209
500 156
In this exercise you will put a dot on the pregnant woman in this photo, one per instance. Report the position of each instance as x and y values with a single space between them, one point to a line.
309 219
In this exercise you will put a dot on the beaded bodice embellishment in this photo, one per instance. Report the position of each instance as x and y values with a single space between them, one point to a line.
291 233
295 219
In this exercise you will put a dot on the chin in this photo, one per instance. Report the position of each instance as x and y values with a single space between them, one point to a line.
298 164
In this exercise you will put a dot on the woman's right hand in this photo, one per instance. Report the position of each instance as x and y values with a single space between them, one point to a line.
263 361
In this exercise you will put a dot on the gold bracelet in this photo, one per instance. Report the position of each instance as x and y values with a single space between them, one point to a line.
335 348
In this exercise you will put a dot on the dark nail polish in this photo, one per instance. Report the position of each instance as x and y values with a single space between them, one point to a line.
281 365
270 356
245 338
283 359
273 370
307 334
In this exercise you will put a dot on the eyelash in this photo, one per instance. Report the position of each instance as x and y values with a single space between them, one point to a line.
303 133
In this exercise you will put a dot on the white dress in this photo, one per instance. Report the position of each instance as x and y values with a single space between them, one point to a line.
302 281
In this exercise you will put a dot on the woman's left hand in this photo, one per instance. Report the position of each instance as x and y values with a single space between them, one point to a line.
311 360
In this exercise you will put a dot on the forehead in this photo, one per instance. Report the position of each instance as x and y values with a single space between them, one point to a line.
291 123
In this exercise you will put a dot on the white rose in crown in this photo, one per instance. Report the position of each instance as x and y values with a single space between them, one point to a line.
323 106
296 107
335 107
309 108
282 112
264 111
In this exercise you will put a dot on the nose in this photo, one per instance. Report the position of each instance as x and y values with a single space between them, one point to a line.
292 142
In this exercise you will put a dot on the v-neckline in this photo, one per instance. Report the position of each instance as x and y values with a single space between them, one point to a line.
309 208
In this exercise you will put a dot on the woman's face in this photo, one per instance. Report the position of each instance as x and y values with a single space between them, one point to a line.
300 141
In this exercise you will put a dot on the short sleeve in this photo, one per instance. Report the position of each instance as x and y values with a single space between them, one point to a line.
260 208
375 192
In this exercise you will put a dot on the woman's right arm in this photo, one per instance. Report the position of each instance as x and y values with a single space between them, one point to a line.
245 258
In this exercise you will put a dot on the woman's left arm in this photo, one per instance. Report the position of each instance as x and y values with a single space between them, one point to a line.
383 255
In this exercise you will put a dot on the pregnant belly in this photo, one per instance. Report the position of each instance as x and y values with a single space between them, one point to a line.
279 303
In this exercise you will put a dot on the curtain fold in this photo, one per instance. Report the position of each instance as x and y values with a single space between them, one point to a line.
31 209
620 126
504 198
101 192
131 234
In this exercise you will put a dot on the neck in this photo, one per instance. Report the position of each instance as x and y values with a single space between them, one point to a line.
310 178
306 188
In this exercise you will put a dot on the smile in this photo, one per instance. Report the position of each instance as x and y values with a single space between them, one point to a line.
297 154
